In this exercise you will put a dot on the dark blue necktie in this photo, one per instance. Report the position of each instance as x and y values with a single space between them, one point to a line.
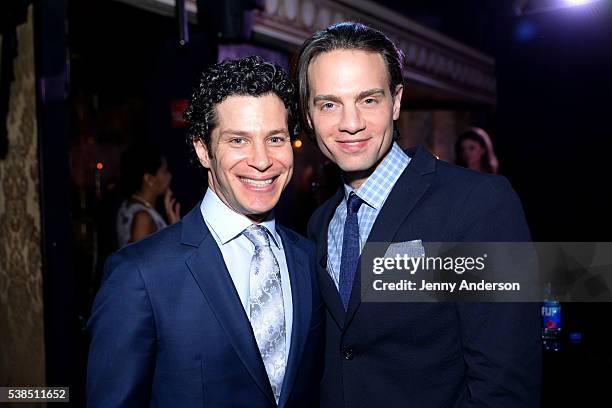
350 249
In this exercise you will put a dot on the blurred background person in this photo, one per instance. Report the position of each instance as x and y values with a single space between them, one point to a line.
474 150
144 178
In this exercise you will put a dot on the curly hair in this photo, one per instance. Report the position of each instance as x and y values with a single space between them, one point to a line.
248 76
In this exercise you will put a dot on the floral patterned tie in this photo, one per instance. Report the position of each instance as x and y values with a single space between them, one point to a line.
267 312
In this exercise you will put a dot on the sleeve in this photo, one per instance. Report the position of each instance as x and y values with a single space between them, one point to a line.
501 341
122 328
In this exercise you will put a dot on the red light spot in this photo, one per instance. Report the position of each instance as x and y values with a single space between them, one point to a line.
550 324
99 166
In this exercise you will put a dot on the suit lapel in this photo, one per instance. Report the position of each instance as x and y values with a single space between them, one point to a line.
408 190
327 286
210 272
301 294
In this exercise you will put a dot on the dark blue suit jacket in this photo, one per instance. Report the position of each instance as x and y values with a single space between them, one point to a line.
432 354
168 328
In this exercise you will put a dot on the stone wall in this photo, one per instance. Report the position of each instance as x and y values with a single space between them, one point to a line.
22 351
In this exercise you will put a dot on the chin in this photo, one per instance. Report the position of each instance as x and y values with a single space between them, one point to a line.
260 209
355 165
257 213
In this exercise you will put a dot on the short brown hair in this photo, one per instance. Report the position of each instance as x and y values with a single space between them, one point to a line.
348 36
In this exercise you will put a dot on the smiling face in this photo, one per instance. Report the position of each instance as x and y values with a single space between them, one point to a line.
352 110
252 159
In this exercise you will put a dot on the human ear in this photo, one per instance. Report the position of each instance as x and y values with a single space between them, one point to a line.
397 101
202 153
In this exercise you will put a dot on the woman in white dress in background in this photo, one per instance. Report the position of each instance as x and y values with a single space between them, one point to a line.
474 150
144 177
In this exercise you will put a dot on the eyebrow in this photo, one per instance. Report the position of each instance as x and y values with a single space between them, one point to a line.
232 132
361 95
320 98
371 92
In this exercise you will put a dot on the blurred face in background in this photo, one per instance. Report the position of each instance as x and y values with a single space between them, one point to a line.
472 153
160 181
251 158
352 110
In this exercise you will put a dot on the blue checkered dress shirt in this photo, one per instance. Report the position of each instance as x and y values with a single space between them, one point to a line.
374 192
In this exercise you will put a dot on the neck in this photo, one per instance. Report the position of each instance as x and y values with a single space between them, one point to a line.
356 178
146 195
256 218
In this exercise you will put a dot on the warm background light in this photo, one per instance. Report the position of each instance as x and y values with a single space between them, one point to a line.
297 143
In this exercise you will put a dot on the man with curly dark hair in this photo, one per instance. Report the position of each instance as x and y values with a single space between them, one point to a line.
246 76
222 308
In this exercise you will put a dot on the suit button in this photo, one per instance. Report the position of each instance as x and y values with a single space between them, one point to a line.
348 353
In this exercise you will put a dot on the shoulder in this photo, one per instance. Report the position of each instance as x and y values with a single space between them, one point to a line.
447 176
462 176
131 208
149 253
297 240
463 183
142 216
478 184
485 206
134 213
156 245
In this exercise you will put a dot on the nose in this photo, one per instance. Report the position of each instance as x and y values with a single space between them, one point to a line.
260 157
351 121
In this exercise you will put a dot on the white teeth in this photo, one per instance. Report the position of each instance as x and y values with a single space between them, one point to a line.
257 183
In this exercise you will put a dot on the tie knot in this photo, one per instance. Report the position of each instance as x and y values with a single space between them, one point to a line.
258 235
353 203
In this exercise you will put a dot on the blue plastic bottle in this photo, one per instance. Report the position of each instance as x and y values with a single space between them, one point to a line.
551 323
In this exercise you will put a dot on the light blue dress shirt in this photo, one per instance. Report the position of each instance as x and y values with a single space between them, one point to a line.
374 192
226 227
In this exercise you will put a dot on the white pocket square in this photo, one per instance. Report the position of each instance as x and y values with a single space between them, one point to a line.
413 249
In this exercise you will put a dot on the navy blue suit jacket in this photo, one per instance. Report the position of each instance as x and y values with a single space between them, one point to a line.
432 354
168 328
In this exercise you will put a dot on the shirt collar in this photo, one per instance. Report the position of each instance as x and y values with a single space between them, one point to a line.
227 224
378 185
